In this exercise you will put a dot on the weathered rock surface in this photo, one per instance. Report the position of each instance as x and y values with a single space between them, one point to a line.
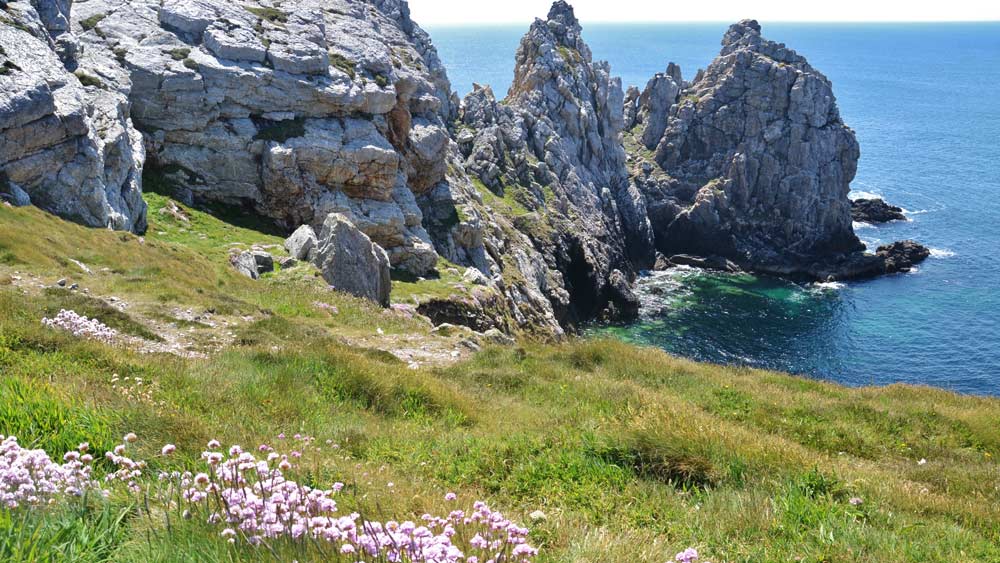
351 262
902 256
551 155
875 211
302 244
754 161
67 143
245 263
299 109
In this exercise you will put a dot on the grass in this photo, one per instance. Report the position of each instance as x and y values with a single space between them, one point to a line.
632 454
90 23
272 15
180 53
343 63
88 79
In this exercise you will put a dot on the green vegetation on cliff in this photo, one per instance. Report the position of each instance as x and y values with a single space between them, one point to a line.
631 454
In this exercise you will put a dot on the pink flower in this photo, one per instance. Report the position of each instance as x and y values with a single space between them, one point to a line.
168 449
214 444
450 497
689 555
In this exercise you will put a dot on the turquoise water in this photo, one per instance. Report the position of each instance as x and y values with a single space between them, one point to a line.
924 100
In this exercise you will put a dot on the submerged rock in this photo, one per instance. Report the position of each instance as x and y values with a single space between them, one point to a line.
875 211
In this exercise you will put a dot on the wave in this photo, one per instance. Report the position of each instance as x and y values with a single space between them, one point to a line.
828 286
861 194
918 211
941 253
858 225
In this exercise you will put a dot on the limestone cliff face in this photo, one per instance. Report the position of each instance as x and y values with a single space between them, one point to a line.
753 161
298 109
67 143
552 153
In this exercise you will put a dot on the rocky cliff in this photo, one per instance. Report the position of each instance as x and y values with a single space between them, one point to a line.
751 161
296 109
67 143
552 154
544 206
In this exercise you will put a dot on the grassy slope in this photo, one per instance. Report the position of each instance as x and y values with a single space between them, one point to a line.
633 455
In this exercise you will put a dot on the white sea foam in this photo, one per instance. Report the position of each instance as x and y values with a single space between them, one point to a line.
861 194
858 225
941 253
828 286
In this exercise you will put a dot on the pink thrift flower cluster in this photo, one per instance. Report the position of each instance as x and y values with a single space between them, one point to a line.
252 499
31 478
81 326
689 555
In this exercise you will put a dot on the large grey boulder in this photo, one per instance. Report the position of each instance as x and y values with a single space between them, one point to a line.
351 262
302 244
66 138
755 160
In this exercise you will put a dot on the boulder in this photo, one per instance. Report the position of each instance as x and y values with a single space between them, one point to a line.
264 261
350 262
302 244
623 303
902 256
245 263
875 211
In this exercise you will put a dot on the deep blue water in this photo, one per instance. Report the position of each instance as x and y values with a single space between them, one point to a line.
924 100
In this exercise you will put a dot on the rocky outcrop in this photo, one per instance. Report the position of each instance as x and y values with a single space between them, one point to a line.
875 211
347 259
297 109
351 262
754 162
551 157
67 143
902 256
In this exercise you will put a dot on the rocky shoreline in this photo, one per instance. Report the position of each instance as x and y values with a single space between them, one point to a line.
338 117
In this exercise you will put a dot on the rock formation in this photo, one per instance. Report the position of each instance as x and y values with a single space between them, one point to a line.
351 262
875 211
297 109
337 117
902 256
551 155
67 143
754 162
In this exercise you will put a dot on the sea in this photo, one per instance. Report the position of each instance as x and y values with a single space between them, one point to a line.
924 100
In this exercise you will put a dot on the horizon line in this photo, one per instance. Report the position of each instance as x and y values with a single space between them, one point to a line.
722 22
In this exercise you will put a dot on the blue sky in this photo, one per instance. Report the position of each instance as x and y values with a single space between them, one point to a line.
518 11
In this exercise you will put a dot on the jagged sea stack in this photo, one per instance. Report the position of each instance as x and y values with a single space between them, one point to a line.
756 164
555 148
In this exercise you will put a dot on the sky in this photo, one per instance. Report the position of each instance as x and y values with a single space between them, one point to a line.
449 12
